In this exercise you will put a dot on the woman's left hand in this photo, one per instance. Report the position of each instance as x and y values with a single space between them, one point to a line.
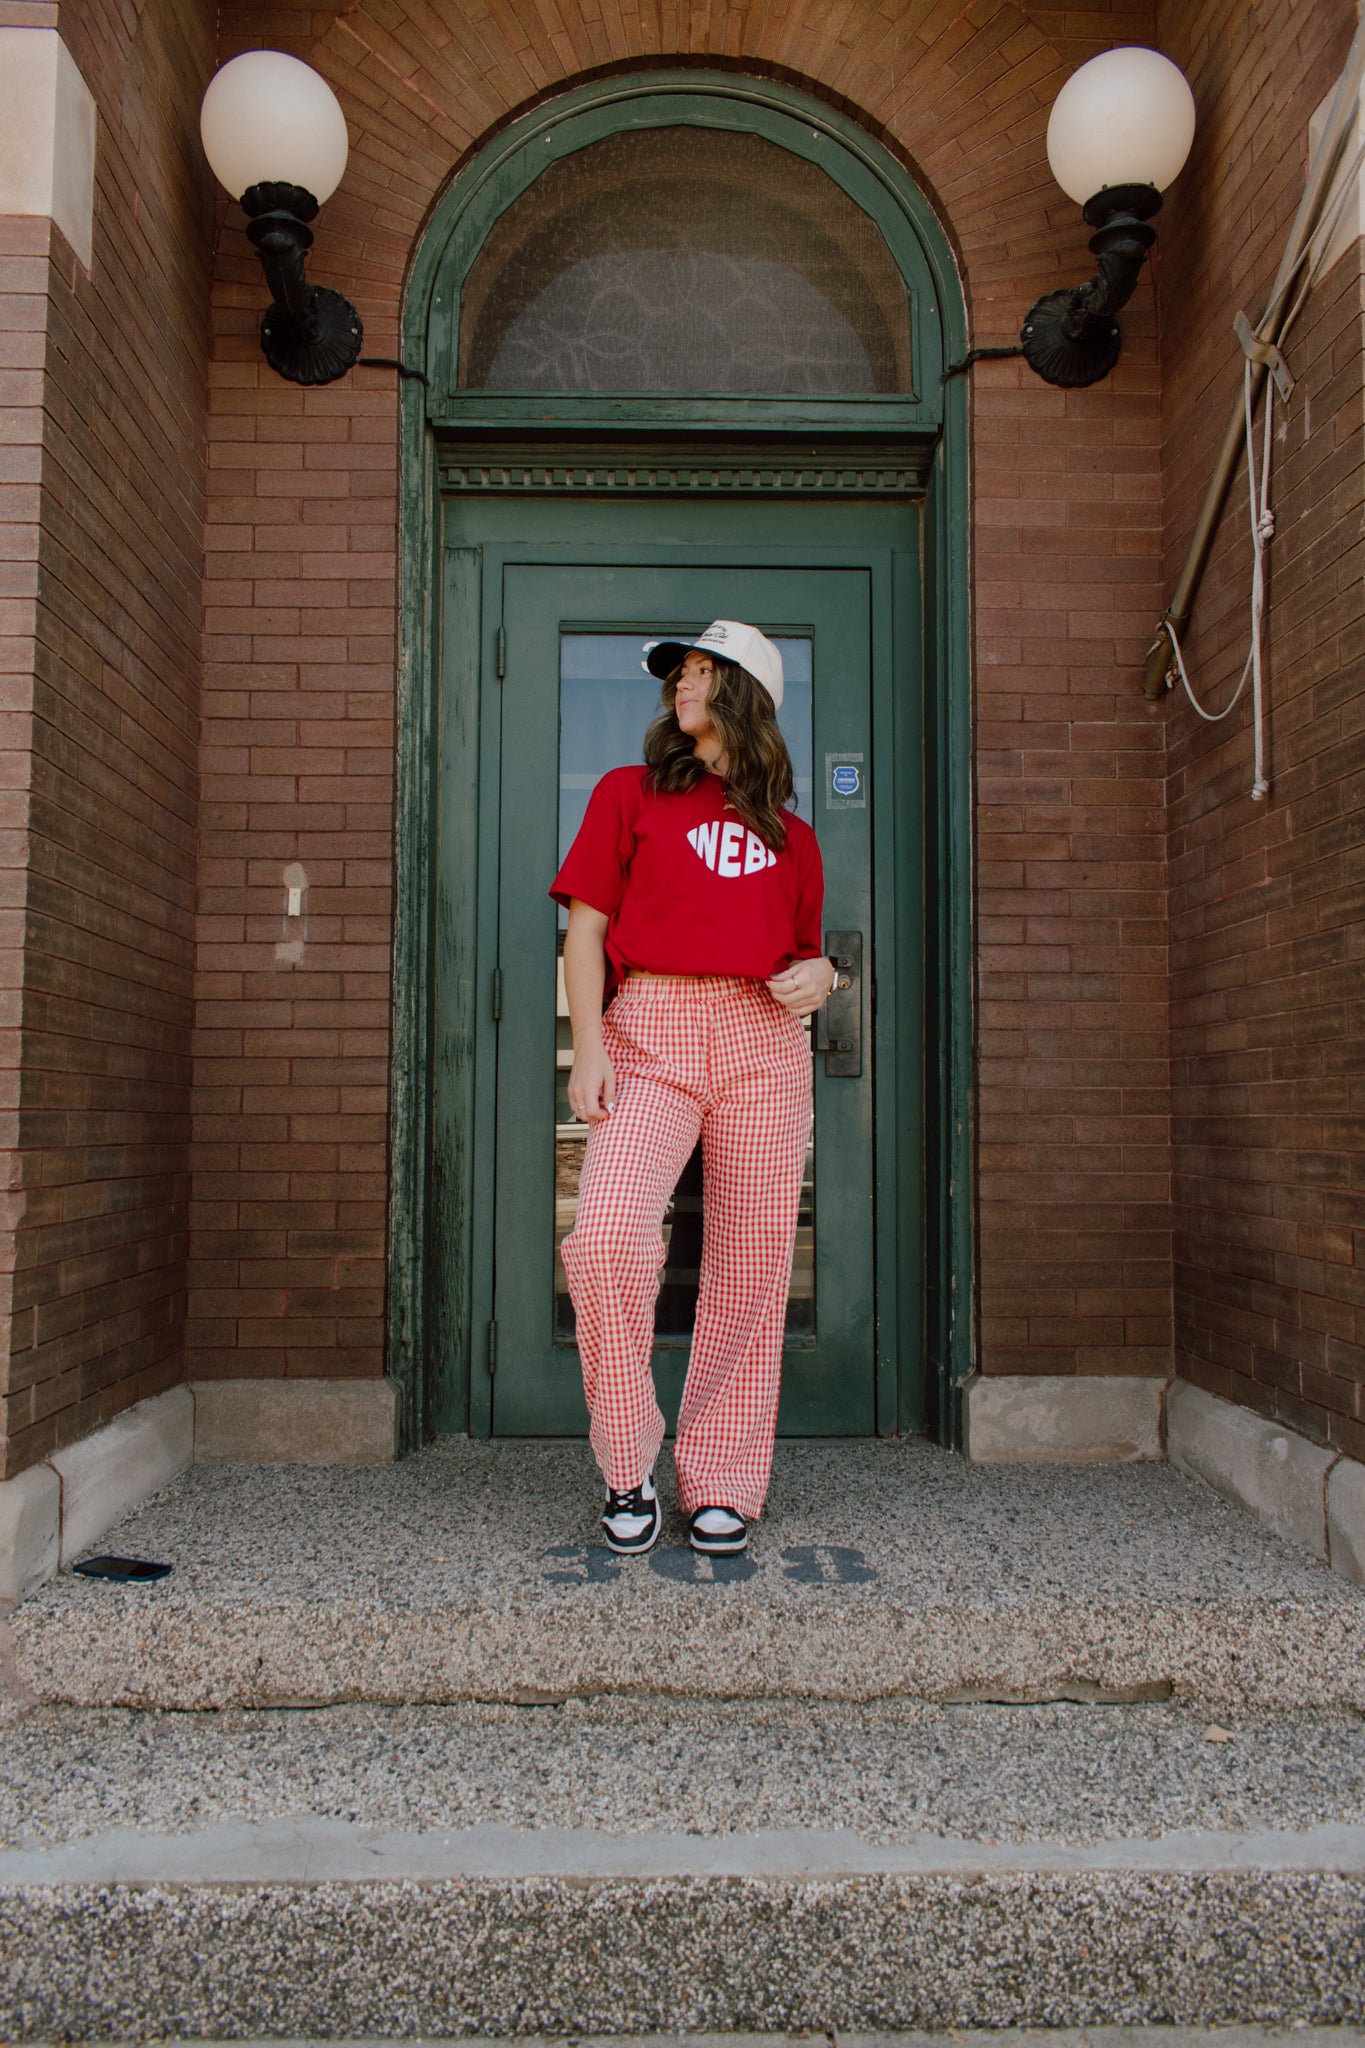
802 987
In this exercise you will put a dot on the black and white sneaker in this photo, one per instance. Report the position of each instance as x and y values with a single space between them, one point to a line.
718 1532
631 1521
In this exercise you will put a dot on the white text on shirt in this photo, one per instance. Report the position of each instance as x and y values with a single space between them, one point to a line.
729 849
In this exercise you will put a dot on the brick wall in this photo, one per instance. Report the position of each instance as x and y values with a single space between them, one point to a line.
1267 904
100 559
104 498
291 1050
1074 1074
23 342
292 1018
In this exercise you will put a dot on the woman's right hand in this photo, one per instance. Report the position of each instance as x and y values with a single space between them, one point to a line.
592 1084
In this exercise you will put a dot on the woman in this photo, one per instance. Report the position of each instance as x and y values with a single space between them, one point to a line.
698 895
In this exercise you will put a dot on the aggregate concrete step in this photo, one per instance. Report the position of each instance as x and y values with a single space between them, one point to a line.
1254 2036
624 1865
476 1571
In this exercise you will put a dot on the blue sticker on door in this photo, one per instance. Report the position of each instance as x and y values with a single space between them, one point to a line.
845 783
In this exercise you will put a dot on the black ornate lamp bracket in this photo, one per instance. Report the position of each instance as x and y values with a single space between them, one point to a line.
310 335
1071 337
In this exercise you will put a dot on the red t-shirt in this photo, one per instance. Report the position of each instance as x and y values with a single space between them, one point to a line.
687 887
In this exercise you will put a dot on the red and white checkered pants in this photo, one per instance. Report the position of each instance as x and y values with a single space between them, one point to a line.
721 1059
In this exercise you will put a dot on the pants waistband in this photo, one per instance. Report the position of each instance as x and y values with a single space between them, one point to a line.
735 981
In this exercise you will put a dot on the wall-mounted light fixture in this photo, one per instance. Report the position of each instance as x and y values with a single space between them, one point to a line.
1120 132
275 136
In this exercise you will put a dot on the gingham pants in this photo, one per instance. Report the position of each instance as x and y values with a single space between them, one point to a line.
720 1059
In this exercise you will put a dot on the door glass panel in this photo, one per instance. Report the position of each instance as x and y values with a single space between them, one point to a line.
685 259
607 698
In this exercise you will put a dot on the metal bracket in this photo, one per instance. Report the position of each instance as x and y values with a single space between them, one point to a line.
1265 353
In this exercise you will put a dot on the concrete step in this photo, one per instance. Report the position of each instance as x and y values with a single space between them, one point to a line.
623 1865
883 1570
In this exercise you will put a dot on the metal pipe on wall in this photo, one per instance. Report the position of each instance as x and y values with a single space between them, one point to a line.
1157 672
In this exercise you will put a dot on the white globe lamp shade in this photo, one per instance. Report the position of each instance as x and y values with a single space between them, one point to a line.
1125 118
270 118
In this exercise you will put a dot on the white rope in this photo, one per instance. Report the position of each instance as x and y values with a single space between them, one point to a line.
1309 261
1315 250
1262 532
1262 518
1214 717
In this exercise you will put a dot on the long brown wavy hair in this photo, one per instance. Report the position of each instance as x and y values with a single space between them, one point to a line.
758 778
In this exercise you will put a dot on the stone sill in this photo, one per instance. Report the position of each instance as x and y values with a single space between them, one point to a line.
53 1512
1309 1495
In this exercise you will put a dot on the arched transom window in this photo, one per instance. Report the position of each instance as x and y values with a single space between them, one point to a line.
685 259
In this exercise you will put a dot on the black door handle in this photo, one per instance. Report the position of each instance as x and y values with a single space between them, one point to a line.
839 1020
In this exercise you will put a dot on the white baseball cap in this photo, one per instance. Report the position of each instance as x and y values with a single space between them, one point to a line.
744 645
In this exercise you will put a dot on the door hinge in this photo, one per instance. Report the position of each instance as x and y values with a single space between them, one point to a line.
492 1349
497 995
502 652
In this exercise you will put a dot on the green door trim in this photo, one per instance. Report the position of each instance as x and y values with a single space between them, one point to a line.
514 160
933 421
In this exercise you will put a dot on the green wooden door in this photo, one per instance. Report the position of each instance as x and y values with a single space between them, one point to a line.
574 701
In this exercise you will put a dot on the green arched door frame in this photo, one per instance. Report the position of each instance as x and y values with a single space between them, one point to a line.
932 418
